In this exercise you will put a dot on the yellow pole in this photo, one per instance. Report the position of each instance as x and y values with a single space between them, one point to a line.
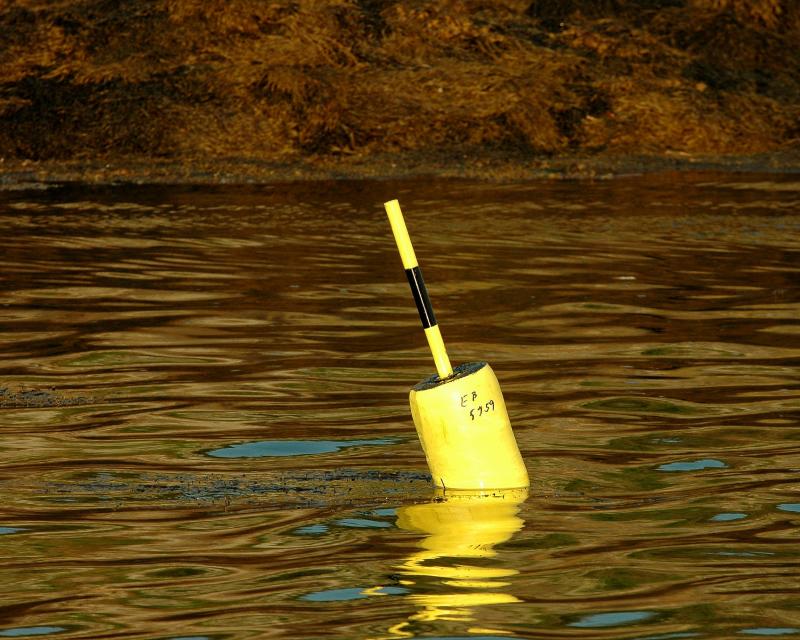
420 293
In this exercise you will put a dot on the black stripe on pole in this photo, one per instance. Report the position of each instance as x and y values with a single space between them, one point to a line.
421 298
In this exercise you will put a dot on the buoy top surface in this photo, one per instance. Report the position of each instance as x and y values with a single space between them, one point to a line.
461 371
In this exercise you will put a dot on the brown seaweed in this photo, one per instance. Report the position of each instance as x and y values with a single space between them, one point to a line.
281 81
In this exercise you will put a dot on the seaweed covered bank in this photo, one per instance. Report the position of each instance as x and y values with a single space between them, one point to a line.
245 89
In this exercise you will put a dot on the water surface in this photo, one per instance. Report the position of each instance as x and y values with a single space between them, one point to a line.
203 404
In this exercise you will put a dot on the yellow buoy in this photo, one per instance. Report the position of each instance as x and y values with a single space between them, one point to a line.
460 414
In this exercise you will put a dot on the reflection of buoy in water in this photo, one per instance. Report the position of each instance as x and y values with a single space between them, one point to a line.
462 532
460 414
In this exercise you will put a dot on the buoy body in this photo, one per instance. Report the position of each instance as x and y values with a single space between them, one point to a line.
465 432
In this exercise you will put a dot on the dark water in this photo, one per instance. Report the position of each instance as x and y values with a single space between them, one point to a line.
205 429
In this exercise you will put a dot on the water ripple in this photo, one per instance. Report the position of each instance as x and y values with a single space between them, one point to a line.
203 396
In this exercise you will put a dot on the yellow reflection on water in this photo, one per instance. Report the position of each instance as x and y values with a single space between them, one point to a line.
462 530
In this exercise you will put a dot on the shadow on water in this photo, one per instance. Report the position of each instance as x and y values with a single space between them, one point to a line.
206 432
